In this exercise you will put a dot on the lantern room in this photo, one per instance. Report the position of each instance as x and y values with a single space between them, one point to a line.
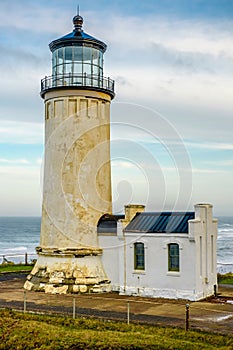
77 62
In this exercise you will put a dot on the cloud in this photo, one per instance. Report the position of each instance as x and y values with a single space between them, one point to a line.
13 132
20 190
122 81
207 171
31 17
203 36
181 68
172 61
193 61
225 163
123 164
39 161
14 161
20 171
221 146
23 56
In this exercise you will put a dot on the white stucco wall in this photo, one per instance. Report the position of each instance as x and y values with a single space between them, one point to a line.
156 281
112 258
203 230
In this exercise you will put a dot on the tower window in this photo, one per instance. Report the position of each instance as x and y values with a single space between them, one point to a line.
173 257
139 256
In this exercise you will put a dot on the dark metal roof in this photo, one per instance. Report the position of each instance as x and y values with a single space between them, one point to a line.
164 222
108 223
77 37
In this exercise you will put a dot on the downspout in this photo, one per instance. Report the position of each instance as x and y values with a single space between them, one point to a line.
206 242
124 261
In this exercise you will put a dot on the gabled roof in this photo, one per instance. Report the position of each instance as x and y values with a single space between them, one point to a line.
164 222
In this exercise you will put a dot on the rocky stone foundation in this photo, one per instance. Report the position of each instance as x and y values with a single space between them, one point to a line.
67 274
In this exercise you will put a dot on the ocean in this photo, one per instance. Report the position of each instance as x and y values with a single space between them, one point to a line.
225 244
20 235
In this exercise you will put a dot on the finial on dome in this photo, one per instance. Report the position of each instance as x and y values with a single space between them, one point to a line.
78 21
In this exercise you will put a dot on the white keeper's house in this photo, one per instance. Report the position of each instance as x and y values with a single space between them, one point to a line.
166 254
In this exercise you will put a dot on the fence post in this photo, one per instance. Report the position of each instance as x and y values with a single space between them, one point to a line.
24 301
26 259
187 317
215 291
73 308
128 311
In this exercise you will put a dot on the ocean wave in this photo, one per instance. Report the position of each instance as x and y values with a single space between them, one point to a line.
224 267
225 230
16 249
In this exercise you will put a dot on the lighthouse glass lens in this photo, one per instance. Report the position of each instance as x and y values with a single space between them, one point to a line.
87 54
68 54
78 65
60 55
95 55
78 53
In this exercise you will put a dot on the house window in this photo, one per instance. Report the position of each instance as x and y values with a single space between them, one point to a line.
173 257
139 256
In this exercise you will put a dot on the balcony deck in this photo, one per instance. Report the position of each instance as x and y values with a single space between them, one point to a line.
78 81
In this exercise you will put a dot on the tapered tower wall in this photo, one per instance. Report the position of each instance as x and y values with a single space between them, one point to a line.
77 191
77 182
77 173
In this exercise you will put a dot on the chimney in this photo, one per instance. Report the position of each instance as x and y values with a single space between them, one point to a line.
130 211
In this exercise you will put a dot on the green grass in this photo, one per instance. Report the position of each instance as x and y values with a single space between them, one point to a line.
14 268
226 278
27 331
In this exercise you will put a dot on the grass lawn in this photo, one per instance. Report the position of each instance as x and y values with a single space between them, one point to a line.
27 331
226 278
4 268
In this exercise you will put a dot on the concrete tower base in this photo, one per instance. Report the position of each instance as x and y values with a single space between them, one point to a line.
63 271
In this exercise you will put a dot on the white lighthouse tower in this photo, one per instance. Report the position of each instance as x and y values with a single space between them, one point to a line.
77 174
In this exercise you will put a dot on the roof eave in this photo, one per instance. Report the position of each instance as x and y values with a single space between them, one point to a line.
77 41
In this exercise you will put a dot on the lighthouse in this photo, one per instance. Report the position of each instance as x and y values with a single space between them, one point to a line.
77 173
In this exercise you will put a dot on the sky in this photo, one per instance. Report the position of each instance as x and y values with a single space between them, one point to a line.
171 119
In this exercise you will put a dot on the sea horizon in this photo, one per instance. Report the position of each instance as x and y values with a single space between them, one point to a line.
20 235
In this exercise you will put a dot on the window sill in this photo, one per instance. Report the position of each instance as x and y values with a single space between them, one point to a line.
173 273
139 272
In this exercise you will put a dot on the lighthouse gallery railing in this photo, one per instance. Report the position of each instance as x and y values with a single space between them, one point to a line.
78 80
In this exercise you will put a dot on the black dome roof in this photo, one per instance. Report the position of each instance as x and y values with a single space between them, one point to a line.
78 38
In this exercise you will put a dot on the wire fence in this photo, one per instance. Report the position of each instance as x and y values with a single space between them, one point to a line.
208 316
23 258
187 316
214 315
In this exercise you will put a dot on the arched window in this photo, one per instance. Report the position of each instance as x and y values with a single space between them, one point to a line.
173 257
139 256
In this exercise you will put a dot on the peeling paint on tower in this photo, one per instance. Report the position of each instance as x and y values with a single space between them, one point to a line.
77 174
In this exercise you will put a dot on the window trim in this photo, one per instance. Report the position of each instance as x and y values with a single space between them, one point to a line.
137 265
173 266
